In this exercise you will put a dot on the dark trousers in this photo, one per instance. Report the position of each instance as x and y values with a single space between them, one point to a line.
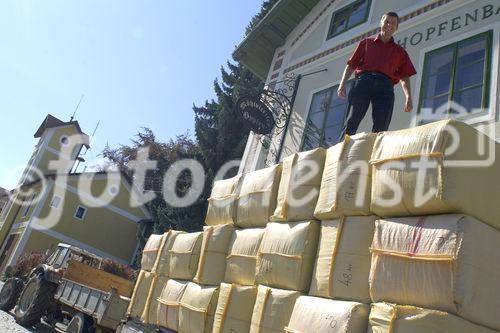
374 88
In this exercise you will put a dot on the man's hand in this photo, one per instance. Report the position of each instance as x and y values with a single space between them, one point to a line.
341 91
408 105
405 84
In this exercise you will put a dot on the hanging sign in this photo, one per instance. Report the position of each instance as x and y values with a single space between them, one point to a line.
255 114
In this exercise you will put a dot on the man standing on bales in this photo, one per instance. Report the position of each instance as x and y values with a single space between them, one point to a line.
379 63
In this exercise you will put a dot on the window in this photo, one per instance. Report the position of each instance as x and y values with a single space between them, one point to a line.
56 200
63 140
6 208
326 119
80 212
458 73
348 17
27 205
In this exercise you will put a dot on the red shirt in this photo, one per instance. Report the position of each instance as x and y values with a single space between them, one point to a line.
373 55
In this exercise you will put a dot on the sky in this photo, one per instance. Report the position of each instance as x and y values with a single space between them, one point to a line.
136 63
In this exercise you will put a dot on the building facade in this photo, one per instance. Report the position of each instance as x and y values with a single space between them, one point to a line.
90 210
453 44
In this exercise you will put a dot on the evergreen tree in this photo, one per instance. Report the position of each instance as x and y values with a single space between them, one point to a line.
267 5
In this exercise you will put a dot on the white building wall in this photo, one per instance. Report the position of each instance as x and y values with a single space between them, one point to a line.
435 24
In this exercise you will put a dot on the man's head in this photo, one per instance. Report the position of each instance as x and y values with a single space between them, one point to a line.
389 23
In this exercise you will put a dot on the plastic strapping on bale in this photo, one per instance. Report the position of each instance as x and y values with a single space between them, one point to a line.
242 256
291 256
134 293
394 317
284 209
227 196
254 192
145 313
193 308
203 254
334 254
160 250
405 255
263 309
224 311
168 303
406 157
347 139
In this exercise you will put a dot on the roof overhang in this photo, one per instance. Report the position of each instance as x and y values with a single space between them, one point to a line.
256 51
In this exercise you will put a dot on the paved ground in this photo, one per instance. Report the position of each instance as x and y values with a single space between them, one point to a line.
8 325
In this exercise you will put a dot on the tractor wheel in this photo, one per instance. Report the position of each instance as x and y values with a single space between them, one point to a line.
80 323
36 297
10 292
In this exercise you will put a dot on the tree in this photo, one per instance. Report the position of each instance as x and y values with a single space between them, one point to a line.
267 5
182 147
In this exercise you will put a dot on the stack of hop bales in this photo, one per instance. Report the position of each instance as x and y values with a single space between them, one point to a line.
222 269
152 277
284 260
435 259
254 203
338 296
161 271
145 278
183 257
299 247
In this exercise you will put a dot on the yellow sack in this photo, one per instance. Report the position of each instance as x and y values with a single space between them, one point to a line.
444 262
342 265
162 264
242 256
346 181
234 308
168 304
214 247
273 309
459 178
286 255
392 318
257 198
151 308
319 315
150 252
197 309
140 294
184 256
299 186
221 204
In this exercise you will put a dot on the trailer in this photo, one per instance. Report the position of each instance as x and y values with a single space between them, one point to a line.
95 300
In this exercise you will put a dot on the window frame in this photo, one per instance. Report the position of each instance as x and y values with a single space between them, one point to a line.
28 207
325 116
85 209
488 34
51 205
349 7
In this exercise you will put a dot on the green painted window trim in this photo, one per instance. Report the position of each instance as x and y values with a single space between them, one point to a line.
333 90
451 92
348 7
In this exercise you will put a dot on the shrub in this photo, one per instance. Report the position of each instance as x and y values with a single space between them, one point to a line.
124 271
26 262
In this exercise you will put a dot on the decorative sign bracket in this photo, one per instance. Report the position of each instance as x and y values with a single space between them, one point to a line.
267 113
